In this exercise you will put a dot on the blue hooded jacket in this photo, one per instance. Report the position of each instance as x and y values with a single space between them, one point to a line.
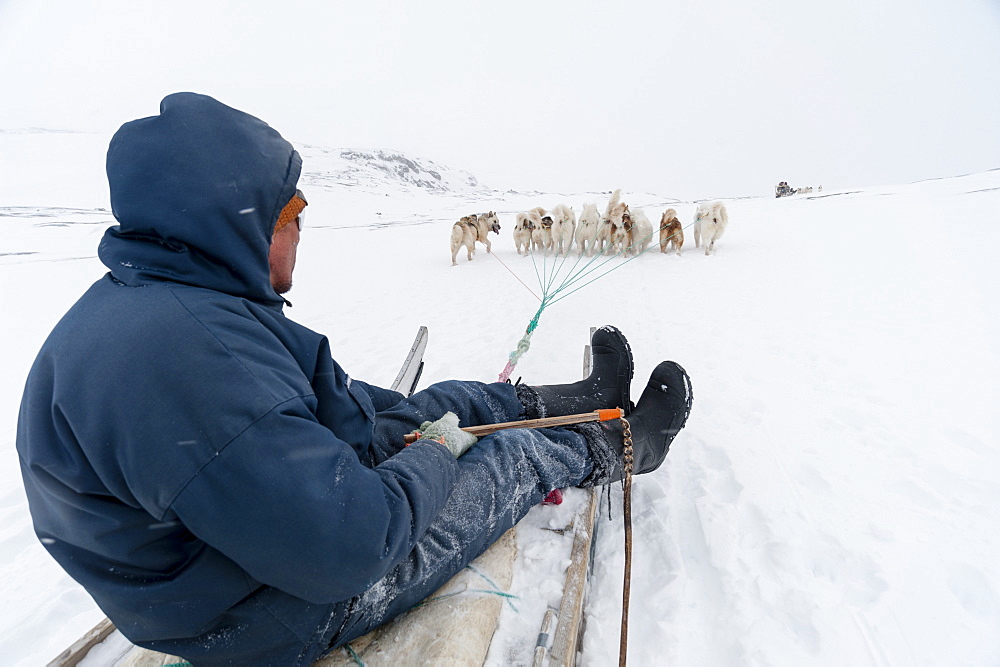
198 462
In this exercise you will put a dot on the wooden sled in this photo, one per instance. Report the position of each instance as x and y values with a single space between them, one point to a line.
455 625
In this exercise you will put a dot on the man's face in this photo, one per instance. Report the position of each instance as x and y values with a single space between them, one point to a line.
284 245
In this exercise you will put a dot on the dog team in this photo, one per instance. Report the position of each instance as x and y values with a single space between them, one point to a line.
620 230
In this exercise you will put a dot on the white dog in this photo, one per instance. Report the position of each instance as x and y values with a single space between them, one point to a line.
472 228
606 237
563 228
590 219
710 222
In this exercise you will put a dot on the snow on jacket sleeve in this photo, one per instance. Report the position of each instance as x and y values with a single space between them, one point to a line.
293 506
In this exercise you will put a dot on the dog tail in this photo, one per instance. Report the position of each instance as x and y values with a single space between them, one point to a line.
613 202
457 234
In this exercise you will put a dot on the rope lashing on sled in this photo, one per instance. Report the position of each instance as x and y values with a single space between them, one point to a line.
354 656
507 596
494 590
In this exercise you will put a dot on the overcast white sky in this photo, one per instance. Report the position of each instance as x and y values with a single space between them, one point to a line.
687 98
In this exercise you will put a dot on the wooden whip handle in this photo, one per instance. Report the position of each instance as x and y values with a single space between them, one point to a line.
486 429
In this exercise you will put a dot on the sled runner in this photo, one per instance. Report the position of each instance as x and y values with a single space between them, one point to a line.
413 366
456 624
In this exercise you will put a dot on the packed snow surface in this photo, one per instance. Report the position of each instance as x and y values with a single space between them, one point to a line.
835 497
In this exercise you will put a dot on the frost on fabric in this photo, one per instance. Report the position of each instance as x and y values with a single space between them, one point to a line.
532 402
225 636
500 479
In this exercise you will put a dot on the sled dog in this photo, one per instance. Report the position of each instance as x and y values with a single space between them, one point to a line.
541 239
563 228
710 222
524 225
614 214
671 232
472 228
606 238
610 233
587 230
541 234
638 231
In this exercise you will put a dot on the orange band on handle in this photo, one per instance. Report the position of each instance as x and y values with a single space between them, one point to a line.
608 415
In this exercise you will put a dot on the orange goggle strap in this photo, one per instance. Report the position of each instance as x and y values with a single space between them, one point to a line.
291 211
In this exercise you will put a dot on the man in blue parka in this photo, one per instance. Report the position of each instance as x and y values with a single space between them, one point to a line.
223 489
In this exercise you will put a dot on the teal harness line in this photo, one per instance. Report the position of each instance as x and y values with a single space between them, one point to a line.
552 293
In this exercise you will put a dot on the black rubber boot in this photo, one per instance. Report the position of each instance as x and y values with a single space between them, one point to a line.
606 387
661 413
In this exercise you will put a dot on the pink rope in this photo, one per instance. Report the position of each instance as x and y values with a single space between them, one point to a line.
505 373
518 280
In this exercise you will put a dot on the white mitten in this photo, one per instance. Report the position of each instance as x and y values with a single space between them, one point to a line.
447 432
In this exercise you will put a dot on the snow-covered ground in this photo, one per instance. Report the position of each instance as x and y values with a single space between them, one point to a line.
835 497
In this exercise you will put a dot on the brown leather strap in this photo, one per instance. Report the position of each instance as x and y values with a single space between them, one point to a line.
627 462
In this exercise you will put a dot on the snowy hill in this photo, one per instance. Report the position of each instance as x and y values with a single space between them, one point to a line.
374 170
834 499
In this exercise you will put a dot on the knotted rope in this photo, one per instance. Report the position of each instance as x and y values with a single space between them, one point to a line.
523 344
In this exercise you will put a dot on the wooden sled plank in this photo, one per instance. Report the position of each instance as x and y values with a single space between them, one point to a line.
569 629
454 626
79 649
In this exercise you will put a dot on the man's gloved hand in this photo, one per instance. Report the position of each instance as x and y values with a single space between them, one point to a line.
447 432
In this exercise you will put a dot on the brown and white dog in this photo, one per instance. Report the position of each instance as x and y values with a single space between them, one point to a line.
610 233
710 222
671 232
638 232
472 228
524 225
541 235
